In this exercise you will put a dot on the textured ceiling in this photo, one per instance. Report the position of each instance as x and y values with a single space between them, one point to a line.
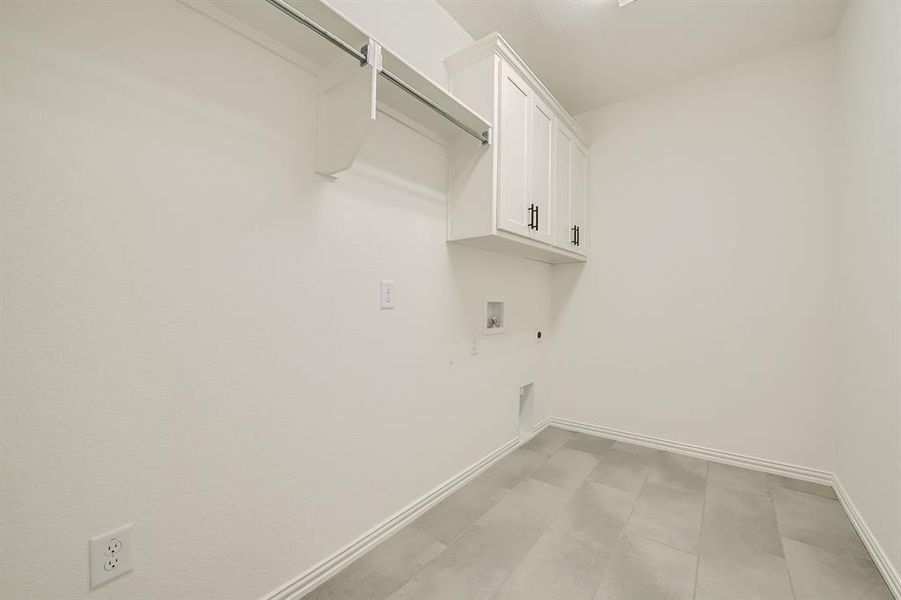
593 52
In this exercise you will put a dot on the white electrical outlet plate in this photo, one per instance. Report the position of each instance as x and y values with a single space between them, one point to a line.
387 293
110 555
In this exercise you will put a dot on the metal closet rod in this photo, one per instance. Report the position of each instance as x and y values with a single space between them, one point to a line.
360 55
316 27
481 136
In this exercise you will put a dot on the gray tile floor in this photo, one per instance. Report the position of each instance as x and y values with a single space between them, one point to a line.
569 517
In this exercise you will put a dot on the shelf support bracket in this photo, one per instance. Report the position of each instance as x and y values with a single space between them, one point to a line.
347 109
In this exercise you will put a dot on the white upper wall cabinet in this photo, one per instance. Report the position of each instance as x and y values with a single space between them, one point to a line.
526 194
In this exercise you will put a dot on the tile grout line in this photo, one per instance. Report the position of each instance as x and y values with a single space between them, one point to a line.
694 592
468 527
532 546
526 553
421 567
791 582
622 532
557 515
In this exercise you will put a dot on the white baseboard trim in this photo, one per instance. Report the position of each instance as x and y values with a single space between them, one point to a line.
888 571
538 428
306 582
885 566
719 456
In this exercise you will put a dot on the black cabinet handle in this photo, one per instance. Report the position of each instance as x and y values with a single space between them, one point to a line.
578 236
573 240
533 214
537 217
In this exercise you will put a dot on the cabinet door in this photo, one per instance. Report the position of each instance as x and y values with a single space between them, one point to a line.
563 149
541 147
513 153
580 198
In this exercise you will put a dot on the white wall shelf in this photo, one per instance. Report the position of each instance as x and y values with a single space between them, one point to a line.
358 75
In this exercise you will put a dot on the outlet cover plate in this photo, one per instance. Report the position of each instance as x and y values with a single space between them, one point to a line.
110 555
387 296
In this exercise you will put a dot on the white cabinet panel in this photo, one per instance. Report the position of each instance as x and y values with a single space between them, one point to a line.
542 170
580 198
564 145
513 153
570 189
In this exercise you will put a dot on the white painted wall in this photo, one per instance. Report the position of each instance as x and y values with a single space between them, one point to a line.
706 312
869 466
191 334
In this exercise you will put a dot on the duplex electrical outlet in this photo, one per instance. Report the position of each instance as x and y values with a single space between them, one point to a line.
387 293
110 555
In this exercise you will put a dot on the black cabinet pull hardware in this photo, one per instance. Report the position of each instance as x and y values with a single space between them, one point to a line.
537 217
573 241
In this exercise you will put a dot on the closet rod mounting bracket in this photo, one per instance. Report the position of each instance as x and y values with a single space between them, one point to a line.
372 55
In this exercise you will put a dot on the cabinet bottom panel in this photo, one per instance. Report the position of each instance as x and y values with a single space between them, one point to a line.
514 245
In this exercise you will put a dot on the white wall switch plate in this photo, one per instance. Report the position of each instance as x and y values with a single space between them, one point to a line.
110 555
387 293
